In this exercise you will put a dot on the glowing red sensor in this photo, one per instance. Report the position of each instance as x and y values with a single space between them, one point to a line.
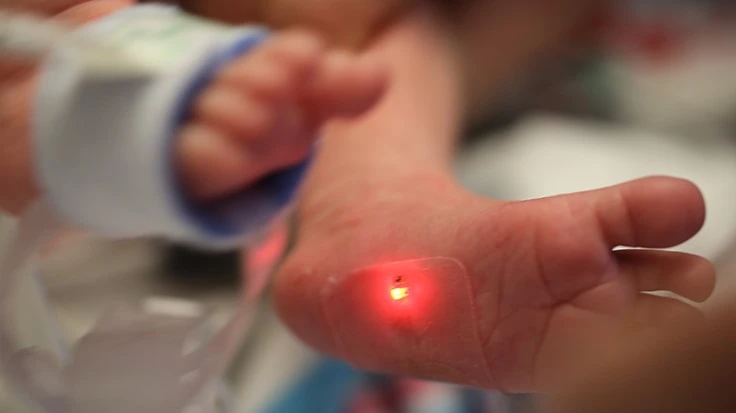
399 291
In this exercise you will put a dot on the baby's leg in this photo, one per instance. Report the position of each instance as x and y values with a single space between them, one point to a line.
397 268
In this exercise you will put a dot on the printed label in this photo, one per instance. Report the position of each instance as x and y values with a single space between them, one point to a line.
162 36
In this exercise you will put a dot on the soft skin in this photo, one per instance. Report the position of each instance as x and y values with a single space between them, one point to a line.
543 275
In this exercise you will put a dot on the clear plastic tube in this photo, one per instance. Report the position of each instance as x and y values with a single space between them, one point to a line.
158 355
59 382
36 225
28 36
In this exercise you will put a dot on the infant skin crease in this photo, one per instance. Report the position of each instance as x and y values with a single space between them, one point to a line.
261 113
525 288
543 277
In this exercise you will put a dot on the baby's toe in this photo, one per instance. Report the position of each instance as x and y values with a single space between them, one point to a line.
654 312
655 212
687 275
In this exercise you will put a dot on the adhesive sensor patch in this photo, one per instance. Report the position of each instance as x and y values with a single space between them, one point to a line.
412 317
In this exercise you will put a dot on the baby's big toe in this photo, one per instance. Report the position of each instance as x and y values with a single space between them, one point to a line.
655 212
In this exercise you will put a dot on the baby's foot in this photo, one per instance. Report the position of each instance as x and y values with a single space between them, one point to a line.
416 276
263 112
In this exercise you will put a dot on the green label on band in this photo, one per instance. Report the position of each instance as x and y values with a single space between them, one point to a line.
162 36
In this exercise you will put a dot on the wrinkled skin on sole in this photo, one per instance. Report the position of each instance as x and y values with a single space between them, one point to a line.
523 290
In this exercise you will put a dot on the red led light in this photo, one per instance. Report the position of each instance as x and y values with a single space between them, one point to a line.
399 291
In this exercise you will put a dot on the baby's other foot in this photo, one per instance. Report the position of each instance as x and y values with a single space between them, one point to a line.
263 112
416 276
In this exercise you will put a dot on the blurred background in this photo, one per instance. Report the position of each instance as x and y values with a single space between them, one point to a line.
659 97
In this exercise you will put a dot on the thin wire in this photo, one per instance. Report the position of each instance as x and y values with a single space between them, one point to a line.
25 35
31 37
36 225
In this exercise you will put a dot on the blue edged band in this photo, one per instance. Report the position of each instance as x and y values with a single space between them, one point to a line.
253 208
